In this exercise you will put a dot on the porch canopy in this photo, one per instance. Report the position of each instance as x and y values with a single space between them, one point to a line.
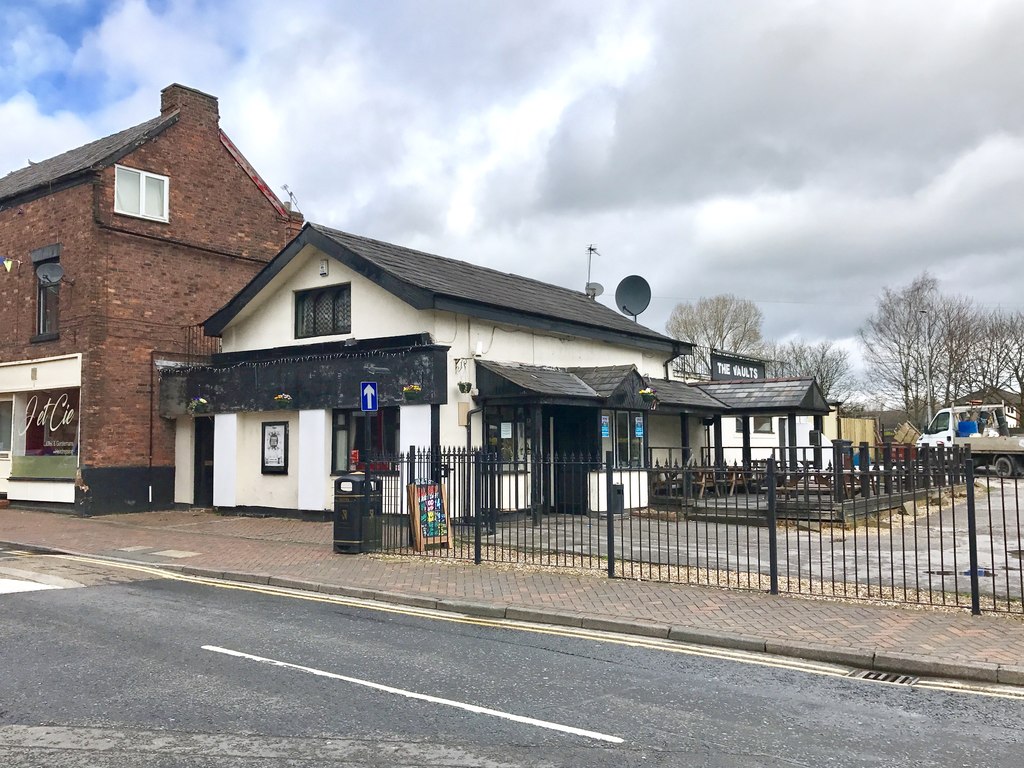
789 397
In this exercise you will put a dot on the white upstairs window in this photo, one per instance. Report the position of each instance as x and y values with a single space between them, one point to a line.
138 193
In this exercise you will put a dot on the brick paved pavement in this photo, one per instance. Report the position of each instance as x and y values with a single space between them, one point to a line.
905 639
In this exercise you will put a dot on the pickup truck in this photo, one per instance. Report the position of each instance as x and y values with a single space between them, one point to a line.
984 428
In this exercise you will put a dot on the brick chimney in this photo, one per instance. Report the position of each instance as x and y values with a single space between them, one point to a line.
189 101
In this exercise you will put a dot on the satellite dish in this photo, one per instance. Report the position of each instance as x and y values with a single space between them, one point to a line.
594 290
633 295
49 273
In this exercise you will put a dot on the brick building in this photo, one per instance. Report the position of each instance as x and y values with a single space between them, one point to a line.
110 253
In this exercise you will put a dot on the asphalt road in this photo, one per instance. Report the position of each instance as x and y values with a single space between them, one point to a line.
131 669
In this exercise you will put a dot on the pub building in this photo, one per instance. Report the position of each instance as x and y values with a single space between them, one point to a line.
444 354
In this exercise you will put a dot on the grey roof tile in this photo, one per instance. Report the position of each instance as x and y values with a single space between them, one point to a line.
469 282
96 154
678 393
798 394
605 379
541 379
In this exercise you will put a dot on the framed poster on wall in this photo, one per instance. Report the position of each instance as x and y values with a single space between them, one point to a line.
275 447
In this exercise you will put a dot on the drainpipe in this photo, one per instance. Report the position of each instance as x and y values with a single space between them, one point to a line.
469 427
676 352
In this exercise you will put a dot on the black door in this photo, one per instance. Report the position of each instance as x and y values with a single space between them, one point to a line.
574 441
202 492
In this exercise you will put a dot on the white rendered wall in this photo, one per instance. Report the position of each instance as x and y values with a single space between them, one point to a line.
42 490
269 320
184 460
414 426
314 460
256 489
225 459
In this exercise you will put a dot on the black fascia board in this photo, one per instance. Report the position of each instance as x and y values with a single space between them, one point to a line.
127 149
535 398
546 323
310 235
218 321
36 193
420 341
418 298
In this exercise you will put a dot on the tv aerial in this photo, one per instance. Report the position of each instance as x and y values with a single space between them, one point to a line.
632 296
593 290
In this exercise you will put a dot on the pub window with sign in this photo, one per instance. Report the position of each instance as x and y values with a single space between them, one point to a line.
622 432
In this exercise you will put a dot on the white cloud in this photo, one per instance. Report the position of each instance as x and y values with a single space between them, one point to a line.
799 153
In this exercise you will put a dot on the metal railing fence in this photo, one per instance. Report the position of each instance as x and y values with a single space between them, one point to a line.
845 522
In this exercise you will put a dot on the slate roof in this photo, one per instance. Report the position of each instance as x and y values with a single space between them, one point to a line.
444 277
541 379
92 156
678 393
605 379
774 395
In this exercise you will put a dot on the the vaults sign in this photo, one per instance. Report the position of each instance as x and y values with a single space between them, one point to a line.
725 368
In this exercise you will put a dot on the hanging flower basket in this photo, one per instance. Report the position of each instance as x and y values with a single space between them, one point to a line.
282 401
197 405
412 392
465 387
648 395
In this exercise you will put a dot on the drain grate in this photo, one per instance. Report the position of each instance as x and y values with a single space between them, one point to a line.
883 677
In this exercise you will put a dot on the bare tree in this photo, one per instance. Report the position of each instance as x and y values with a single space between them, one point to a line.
826 362
991 351
722 322
1013 345
896 344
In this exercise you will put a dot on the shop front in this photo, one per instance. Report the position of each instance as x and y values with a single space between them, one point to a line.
40 406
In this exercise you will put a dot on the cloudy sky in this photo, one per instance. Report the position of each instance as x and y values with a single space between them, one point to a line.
798 153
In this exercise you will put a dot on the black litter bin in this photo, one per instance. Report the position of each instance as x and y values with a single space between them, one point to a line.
357 520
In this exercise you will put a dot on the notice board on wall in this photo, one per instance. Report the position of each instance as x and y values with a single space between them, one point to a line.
428 507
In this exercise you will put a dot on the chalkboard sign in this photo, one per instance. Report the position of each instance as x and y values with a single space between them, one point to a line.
428 507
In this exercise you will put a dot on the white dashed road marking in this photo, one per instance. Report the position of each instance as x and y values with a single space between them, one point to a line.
422 696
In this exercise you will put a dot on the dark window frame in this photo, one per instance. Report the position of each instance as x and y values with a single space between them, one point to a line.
311 317
629 441
515 449
764 421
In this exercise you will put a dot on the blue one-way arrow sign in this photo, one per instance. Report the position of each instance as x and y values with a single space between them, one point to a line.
368 396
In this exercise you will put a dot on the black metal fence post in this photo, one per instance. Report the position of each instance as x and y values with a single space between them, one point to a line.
477 504
609 481
972 538
773 537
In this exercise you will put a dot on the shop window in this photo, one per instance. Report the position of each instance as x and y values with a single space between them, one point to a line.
622 432
6 422
761 425
507 432
45 434
323 312
138 193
